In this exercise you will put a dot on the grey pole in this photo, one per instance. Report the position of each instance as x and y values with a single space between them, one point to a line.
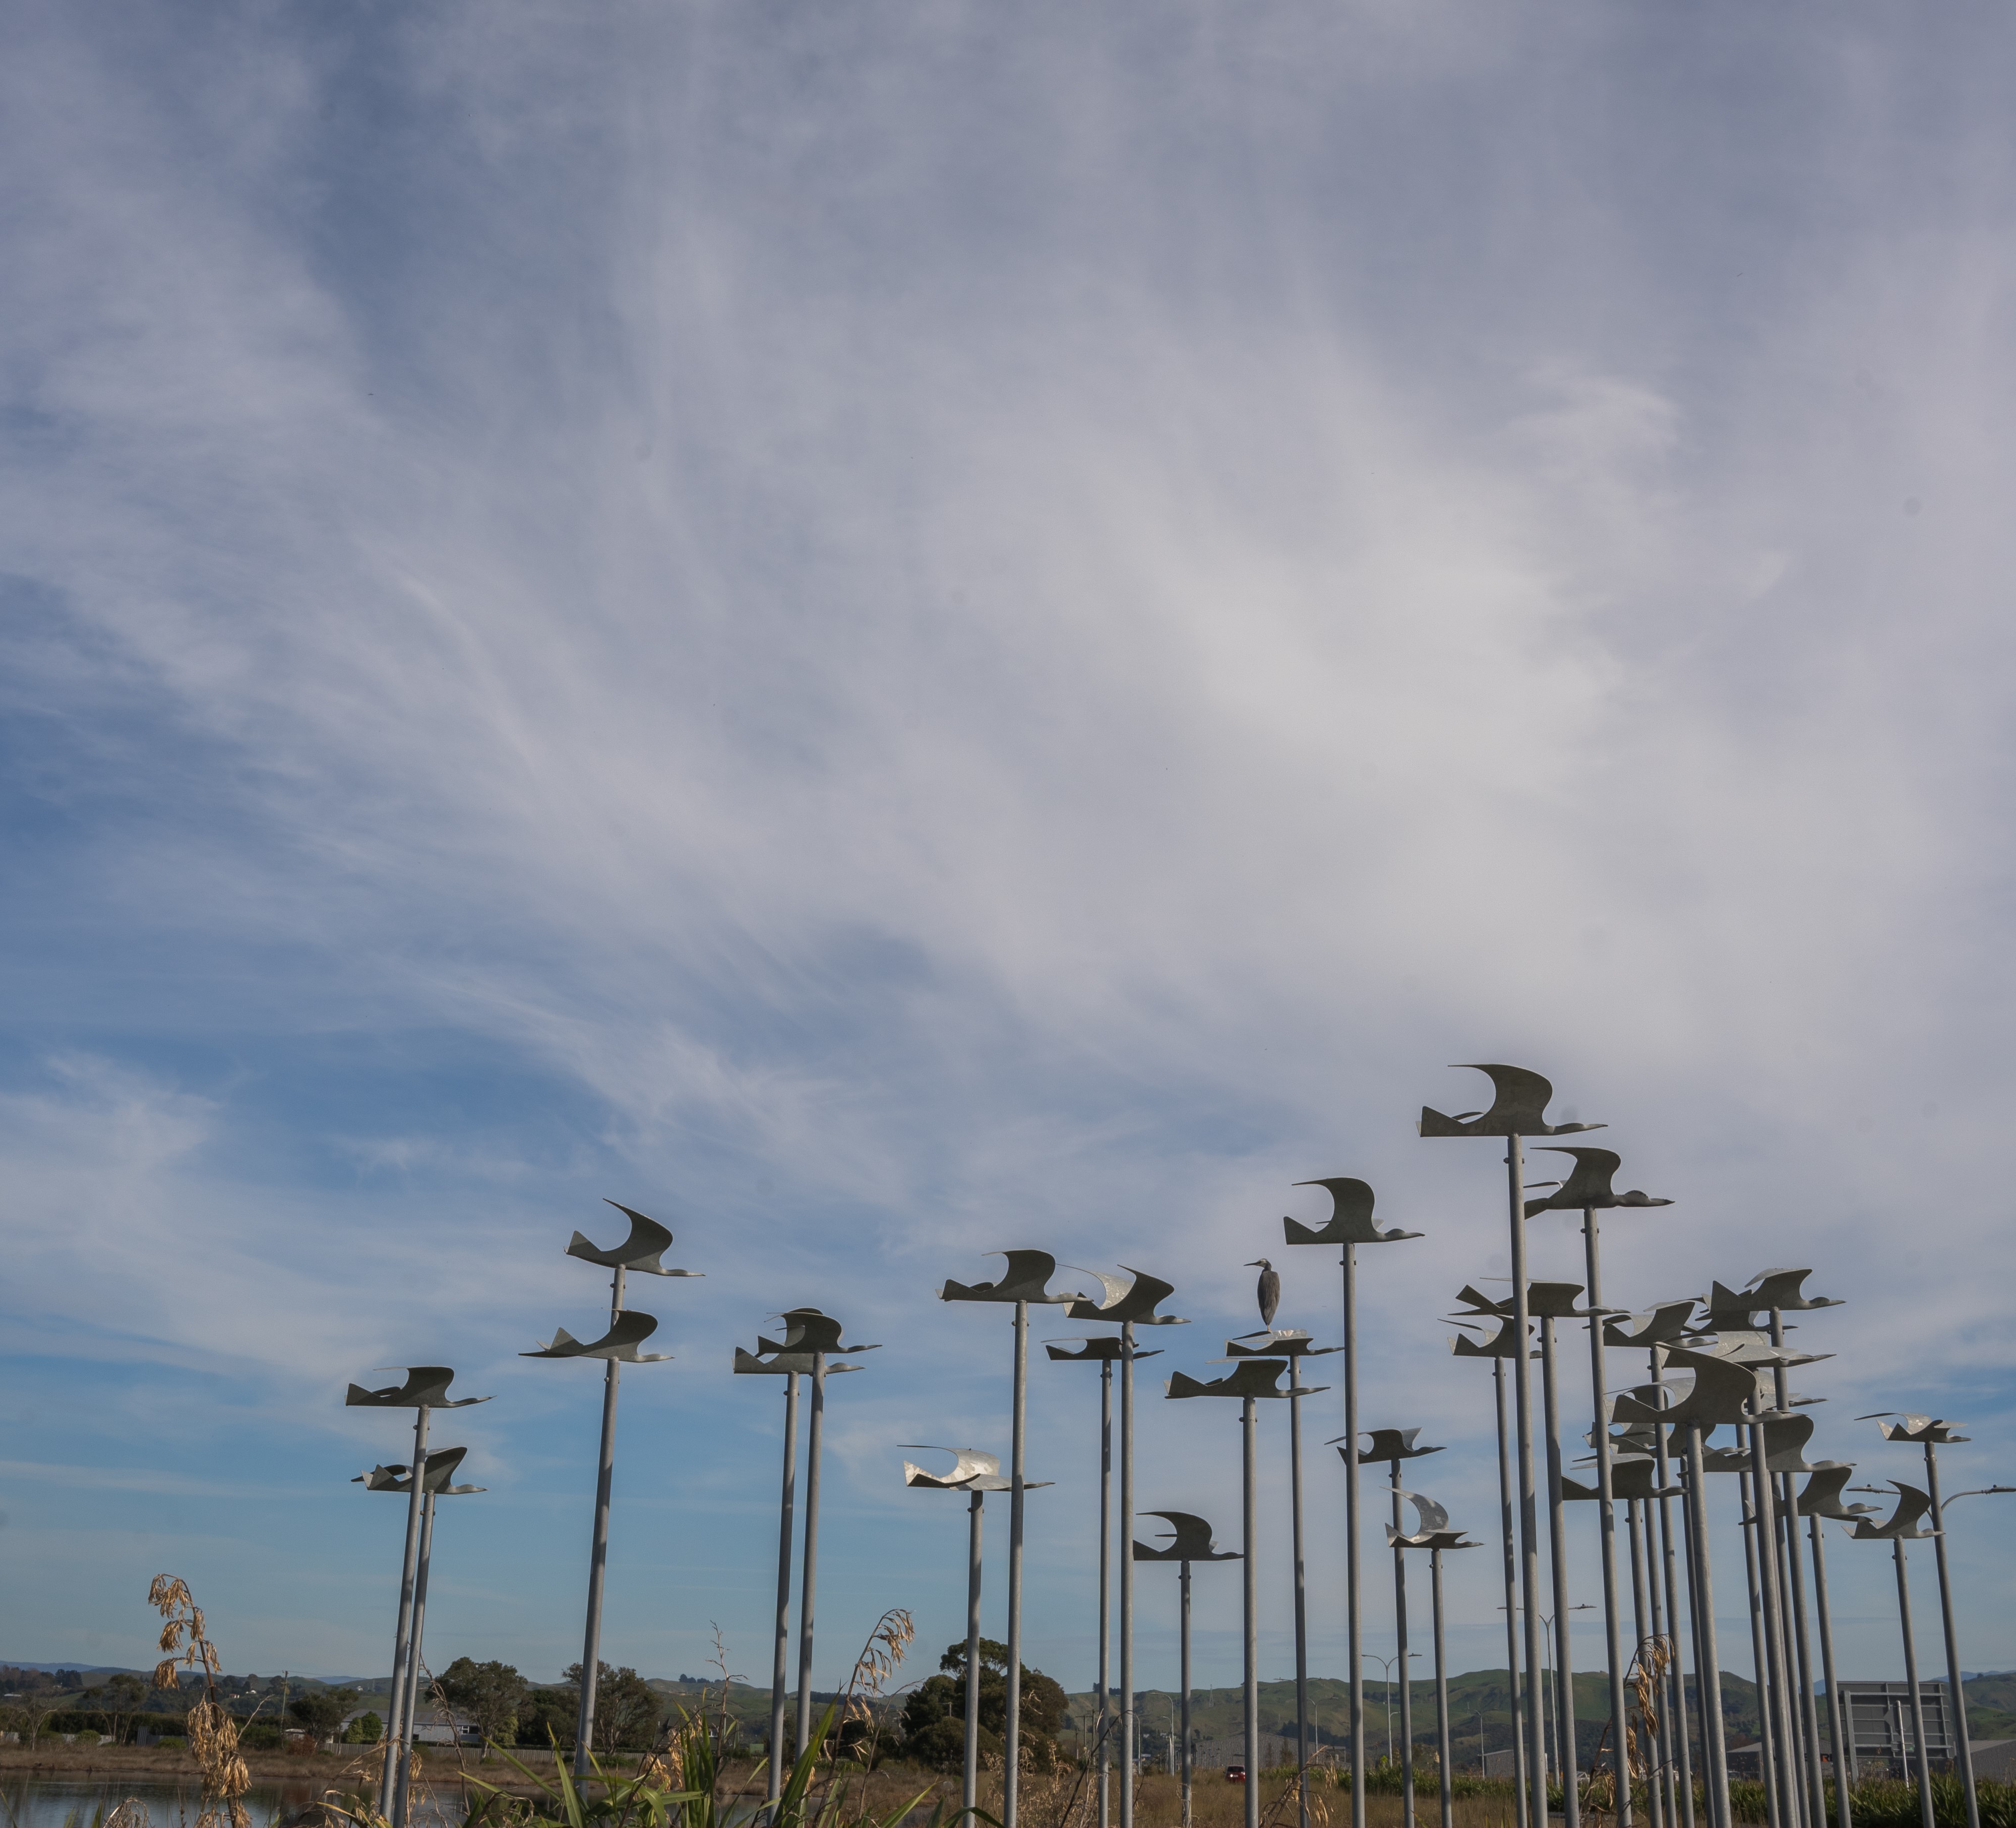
1353 1602
968 1792
1188 1760
1958 1691
1248 1431
1406 1684
1645 1618
1789 1784
780 1666
1011 1750
597 1556
1519 1798
1676 1706
410 1711
809 1580
1441 1690
1301 1595
1127 1724
402 1637
1836 1714
1715 1746
1105 1589
1564 1706
1529 1524
1620 1762
1767 1725
1917 1696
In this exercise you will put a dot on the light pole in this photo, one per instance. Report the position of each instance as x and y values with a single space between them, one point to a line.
1190 1542
1386 1679
1021 1284
628 1329
1349 1225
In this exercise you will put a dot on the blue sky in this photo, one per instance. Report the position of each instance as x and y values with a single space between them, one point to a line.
892 631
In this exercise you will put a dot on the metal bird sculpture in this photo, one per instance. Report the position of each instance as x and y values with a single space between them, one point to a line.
1917 1430
1267 1291
1504 1343
1350 1221
973 1471
1388 1444
443 1463
1666 1325
626 1332
1105 1348
1722 1392
1779 1289
1134 1300
426 1387
1912 1504
1431 1526
1822 1497
1193 1541
1518 1108
1588 1184
1631 1475
1249 1377
1023 1280
647 1242
1278 1342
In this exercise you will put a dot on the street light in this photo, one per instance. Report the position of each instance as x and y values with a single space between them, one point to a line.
1386 1665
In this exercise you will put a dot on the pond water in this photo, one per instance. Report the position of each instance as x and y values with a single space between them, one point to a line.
86 1802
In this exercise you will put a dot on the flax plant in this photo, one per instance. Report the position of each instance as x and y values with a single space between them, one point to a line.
213 1733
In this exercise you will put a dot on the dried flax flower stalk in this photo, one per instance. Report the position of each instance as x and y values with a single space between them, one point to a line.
213 1733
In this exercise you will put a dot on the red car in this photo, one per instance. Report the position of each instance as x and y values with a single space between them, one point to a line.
1235 1774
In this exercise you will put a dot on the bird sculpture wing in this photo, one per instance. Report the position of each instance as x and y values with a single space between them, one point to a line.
641 1251
776 1363
1105 1347
443 1464
625 1333
1553 1301
1780 1289
1588 1183
1504 1343
1024 1279
1350 1221
1822 1497
969 1465
1146 1293
1192 1540
1721 1393
1518 1108
1430 1515
1114 1294
811 1331
1666 1323
426 1387
1731 1308
385 1479
1480 1303
1912 1504
1785 1438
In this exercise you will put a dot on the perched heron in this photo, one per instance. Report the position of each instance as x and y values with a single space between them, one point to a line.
1269 1289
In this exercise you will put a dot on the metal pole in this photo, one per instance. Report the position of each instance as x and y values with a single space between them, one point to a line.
1790 1798
1677 1708
809 1580
1248 1431
411 1712
786 1509
1189 1761
1620 1762
1406 1686
402 1636
1129 1726
1564 1704
969 1791
1441 1690
1645 1617
1958 1696
1715 1745
1519 1795
1353 1600
1917 1694
598 1554
1105 1590
1301 1595
1767 1749
1837 1724
1011 1750
1529 1522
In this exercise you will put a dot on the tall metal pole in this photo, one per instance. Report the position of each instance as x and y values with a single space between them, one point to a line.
1248 1430
1127 1724
809 1580
1529 1522
1645 1616
1790 1787
1519 1793
1620 1762
1441 1691
1011 1750
1917 1694
1353 1599
410 1712
598 1556
1767 1747
1188 1759
787 1508
1302 1594
1677 1707
1836 1714
1958 1696
969 1791
1406 1684
1564 1706
1715 1745
1105 1589
402 1635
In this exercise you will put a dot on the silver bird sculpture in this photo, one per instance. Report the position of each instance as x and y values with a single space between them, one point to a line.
1350 1221
647 1243
1024 1279
426 1387
1193 1541
626 1333
1518 1108
1588 1184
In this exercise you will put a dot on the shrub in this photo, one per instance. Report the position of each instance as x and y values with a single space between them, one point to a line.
260 1737
173 1742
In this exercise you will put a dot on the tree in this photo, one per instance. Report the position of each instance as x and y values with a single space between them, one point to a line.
547 1716
366 1729
488 1694
125 1695
935 1716
626 1708
323 1710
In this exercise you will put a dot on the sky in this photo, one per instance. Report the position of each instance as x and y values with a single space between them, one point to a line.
893 631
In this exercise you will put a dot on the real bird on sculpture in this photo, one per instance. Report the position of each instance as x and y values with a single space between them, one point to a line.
1518 1108
1278 1342
1588 1184
1192 1541
647 1242
1901 1525
1256 1377
1134 1302
1350 1221
443 1463
973 1471
626 1333
1023 1280
1100 1349
1388 1444
1918 1429
1431 1527
1267 1291
426 1387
